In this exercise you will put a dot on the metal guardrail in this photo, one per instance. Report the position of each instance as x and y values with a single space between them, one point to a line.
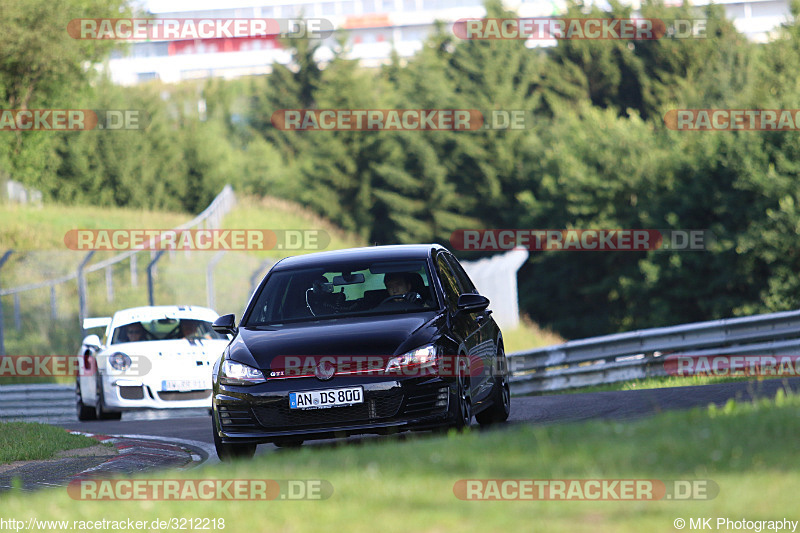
579 363
37 402
641 354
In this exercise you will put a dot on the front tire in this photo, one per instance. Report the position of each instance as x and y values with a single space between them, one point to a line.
501 398
463 411
101 413
228 452
84 412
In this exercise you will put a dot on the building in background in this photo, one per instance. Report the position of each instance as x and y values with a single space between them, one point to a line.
372 28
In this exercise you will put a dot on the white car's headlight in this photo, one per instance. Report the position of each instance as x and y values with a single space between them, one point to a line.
234 373
422 357
119 361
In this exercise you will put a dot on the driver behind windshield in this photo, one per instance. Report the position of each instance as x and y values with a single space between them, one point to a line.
397 283
400 287
135 332
190 329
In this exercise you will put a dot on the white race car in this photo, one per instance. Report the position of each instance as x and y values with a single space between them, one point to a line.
149 358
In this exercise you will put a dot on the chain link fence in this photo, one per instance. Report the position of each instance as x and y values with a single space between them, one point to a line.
68 284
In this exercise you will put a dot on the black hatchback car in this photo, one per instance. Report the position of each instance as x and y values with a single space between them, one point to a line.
366 340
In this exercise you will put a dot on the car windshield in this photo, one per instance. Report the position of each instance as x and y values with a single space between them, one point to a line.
376 288
164 329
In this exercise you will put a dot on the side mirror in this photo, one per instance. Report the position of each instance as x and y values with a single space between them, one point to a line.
92 342
472 303
225 324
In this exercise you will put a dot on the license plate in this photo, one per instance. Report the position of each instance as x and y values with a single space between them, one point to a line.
185 384
321 399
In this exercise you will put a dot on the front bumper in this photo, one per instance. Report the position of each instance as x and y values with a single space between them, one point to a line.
126 394
261 413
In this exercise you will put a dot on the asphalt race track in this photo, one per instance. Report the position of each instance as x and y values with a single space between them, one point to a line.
618 405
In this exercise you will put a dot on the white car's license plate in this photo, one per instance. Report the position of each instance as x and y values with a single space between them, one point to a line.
185 384
319 399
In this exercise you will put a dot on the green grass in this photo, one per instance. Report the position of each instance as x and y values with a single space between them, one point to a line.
748 449
276 214
654 383
527 335
26 228
22 441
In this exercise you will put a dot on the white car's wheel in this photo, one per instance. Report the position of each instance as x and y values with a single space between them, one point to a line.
85 412
101 412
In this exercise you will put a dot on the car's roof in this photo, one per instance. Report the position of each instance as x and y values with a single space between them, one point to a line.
402 252
137 314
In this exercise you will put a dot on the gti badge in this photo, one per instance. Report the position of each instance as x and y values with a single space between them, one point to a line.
324 370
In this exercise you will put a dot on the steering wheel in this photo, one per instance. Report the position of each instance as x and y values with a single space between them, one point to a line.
410 297
395 297
174 333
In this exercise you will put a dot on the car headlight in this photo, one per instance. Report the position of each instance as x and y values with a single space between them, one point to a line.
423 357
234 373
119 361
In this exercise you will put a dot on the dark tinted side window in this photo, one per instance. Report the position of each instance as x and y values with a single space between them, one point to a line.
461 276
449 281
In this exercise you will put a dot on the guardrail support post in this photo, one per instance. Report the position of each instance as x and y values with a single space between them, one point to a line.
109 284
134 273
210 278
17 317
2 340
83 304
150 268
53 308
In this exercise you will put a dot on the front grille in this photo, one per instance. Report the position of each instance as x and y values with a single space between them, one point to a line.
426 403
233 419
131 393
183 396
377 405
